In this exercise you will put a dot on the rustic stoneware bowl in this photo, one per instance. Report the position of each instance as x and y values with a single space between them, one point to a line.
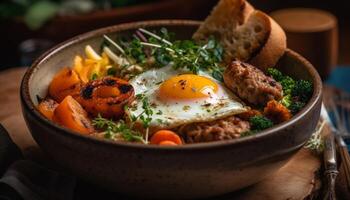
190 171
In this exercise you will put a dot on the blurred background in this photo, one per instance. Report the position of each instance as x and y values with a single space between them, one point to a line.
29 27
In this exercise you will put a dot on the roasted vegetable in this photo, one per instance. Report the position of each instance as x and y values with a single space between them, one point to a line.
166 137
249 114
92 67
47 108
66 82
167 143
276 112
106 96
70 114
295 93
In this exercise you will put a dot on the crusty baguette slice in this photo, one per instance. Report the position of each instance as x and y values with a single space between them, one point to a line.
224 18
272 50
255 38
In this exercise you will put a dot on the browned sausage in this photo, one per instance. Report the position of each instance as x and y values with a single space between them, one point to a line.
251 84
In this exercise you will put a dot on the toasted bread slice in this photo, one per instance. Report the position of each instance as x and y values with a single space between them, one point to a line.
224 18
246 34
273 48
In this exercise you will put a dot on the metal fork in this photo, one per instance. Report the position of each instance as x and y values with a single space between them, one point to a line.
339 106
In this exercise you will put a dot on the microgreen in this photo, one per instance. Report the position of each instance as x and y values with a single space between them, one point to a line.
112 128
186 54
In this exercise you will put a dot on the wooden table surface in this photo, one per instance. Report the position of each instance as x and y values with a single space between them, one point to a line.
296 180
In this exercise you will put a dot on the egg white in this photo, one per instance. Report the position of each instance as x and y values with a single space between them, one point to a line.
173 113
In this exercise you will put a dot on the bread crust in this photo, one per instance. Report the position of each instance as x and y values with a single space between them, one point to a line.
263 54
248 9
241 13
273 49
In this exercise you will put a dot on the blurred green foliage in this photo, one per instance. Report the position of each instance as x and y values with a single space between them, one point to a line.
37 12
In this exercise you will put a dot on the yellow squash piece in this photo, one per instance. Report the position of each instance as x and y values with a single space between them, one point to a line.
94 66
91 53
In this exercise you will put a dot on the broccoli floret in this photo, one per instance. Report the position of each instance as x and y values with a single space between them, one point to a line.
288 85
303 90
286 81
259 123
296 106
276 74
287 100
295 93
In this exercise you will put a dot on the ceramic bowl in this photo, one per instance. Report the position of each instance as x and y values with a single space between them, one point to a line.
147 171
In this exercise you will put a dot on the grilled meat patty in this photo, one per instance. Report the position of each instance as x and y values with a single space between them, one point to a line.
251 84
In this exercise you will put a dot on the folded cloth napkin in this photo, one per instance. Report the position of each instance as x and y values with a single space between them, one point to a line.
27 180
9 152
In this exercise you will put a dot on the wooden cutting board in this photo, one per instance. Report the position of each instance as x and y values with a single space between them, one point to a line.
298 179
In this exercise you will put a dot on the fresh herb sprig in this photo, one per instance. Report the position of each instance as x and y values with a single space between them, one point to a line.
316 142
196 57
112 128
181 54
145 116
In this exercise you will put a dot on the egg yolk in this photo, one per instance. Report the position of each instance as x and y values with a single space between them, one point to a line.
186 87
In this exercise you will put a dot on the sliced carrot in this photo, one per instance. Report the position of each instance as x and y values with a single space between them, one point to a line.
66 82
70 114
47 108
167 143
165 135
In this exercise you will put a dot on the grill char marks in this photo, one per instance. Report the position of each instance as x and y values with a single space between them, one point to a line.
87 91
125 88
116 93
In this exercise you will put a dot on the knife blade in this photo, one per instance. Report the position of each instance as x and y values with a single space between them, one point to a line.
329 155
330 150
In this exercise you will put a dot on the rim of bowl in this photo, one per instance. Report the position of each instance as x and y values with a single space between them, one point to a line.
29 105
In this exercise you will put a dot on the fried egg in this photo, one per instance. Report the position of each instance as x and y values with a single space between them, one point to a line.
178 97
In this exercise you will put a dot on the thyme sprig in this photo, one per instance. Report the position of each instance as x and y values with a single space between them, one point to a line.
112 128
145 116
316 142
